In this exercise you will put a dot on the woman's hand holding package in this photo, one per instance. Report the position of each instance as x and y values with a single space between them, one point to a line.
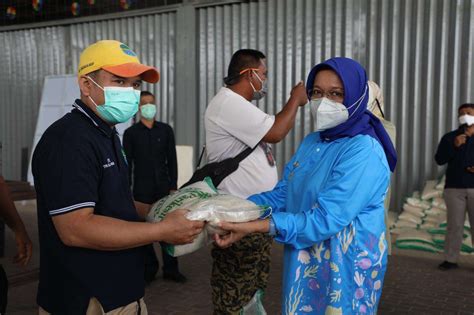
236 231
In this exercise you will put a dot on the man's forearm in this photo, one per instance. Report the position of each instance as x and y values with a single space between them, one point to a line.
7 208
284 122
105 233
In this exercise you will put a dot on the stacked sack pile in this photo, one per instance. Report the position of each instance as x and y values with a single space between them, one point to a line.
422 223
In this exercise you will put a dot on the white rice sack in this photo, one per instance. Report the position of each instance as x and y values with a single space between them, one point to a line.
418 203
179 250
403 224
410 218
466 246
204 204
439 203
430 191
415 236
436 212
419 246
437 218
225 208
467 224
183 199
428 225
441 183
416 211
400 230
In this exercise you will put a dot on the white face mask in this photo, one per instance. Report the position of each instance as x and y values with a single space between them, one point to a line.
257 95
466 120
328 114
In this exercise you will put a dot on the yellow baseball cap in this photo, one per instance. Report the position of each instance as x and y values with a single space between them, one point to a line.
116 58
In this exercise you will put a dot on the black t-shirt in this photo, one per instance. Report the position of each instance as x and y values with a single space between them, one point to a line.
151 154
79 163
458 160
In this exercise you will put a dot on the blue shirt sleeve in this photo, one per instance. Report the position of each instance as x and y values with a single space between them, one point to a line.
358 178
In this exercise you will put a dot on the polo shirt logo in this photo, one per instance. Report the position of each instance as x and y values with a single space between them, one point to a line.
108 164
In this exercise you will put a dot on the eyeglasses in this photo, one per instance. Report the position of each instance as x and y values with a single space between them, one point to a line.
335 95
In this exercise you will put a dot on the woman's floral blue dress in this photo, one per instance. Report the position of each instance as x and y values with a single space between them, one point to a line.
329 213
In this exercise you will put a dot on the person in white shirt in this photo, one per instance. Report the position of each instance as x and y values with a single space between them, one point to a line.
232 125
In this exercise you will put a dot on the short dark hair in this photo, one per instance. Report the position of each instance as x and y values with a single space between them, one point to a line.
466 105
146 93
242 59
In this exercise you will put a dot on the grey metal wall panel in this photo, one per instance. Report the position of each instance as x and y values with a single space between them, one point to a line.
419 51
30 55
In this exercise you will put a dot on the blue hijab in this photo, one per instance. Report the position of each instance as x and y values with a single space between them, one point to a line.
361 121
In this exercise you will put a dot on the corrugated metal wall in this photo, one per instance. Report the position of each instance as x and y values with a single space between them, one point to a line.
419 51
27 57
30 55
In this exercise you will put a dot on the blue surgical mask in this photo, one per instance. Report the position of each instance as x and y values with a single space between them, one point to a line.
148 111
121 103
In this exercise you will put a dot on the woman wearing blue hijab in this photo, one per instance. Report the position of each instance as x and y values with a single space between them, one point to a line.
328 209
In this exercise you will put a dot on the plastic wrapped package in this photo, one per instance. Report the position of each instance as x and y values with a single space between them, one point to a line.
205 204
419 246
439 203
428 225
430 191
182 199
255 306
410 218
441 183
416 211
435 219
417 239
436 211
416 202
401 223
466 246
225 208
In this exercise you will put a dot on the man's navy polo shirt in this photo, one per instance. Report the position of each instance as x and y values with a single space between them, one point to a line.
79 163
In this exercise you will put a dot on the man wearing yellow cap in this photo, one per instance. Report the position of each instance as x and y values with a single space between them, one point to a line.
90 229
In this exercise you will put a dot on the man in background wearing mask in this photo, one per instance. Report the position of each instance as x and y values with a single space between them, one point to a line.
91 237
234 124
376 106
457 150
153 169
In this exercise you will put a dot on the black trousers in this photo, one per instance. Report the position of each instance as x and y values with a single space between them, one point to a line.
3 290
170 263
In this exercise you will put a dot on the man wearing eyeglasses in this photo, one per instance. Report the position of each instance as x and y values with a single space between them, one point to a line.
234 124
